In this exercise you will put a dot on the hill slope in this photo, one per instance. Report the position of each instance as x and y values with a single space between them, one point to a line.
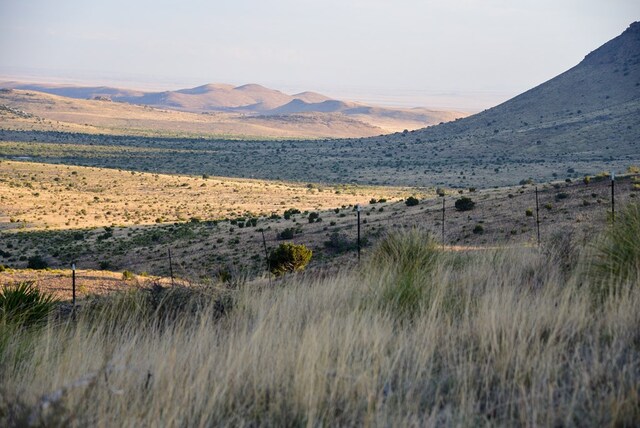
586 116
252 100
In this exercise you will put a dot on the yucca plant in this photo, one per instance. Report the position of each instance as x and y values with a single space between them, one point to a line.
24 304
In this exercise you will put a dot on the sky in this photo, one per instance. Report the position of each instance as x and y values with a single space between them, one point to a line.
465 54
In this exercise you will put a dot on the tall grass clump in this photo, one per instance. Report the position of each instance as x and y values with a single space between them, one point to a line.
616 255
401 266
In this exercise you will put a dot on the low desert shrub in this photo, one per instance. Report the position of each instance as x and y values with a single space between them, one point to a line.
289 257
411 201
37 262
340 243
464 204
287 233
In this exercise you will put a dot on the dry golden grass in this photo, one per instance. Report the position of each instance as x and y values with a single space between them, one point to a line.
38 196
506 338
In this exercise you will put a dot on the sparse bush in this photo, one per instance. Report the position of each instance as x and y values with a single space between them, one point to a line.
289 257
478 230
411 201
464 204
313 217
340 243
127 275
529 212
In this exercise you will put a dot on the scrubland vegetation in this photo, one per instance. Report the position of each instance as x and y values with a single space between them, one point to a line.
412 336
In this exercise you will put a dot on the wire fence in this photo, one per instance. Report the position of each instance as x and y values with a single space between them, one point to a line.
525 216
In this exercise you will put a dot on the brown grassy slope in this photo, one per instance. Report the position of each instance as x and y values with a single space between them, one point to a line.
506 338
55 113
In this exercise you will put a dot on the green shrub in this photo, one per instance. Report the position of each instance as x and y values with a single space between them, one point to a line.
37 262
291 211
24 304
478 230
289 257
127 275
529 212
313 217
411 201
464 204
288 233
617 254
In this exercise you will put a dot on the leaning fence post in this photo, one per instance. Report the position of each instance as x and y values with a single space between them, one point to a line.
537 216
266 255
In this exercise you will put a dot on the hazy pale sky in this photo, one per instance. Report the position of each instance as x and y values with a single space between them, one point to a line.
455 53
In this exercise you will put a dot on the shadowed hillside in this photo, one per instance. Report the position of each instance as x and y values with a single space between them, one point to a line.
589 114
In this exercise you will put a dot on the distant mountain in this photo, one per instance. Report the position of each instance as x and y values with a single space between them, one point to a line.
250 99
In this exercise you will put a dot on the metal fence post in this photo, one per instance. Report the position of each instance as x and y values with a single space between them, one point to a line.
443 198
613 197
73 290
537 216
358 209
170 267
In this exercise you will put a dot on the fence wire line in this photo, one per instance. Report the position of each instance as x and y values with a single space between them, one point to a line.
483 210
